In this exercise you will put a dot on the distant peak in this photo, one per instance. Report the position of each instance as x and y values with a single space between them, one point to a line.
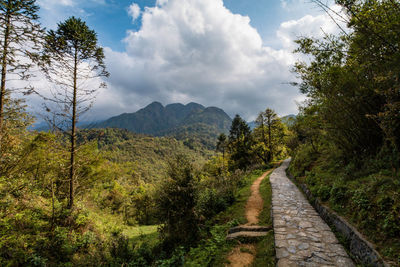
175 105
196 105
155 103
214 109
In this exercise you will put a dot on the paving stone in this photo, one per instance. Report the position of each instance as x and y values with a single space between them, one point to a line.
303 246
282 253
302 238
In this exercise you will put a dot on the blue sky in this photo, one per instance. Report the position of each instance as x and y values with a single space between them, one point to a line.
234 54
111 20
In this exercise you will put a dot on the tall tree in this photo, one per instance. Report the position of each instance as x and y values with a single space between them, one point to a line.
271 121
239 143
354 79
20 36
221 146
176 201
271 132
261 128
74 59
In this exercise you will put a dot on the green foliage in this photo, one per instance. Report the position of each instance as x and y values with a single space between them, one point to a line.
213 247
20 35
139 158
207 252
269 133
175 200
265 248
239 144
210 202
346 137
369 199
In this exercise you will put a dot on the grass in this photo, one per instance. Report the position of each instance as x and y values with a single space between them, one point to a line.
237 210
135 231
214 251
109 223
265 248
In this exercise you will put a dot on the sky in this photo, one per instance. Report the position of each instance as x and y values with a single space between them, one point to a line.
233 54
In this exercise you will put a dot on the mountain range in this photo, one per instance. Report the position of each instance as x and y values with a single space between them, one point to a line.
192 123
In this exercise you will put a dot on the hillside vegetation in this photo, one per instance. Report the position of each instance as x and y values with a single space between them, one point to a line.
347 136
192 123
139 200
145 156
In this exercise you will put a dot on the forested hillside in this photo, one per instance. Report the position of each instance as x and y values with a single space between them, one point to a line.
347 136
144 156
192 123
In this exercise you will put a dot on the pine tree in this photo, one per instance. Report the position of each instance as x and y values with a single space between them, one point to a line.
240 142
74 59
20 37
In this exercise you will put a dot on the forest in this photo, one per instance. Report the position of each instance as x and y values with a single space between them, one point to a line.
111 197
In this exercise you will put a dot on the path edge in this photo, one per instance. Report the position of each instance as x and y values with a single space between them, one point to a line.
359 247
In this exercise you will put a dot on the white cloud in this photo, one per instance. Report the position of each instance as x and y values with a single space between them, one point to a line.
134 11
310 26
49 4
198 50
161 2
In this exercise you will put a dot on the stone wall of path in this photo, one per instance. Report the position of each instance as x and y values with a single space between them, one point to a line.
359 247
302 238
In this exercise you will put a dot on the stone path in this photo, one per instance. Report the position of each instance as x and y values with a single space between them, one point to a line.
302 238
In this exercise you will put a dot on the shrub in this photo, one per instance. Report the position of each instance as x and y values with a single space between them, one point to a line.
338 195
175 203
210 202
324 192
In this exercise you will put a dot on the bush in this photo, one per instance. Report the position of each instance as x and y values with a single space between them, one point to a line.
324 192
210 202
175 203
338 195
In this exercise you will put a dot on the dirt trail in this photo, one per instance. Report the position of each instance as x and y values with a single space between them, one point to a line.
243 255
255 203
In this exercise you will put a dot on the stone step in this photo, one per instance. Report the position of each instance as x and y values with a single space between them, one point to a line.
246 235
249 228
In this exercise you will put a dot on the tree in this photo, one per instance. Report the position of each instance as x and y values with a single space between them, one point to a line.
221 146
176 201
73 59
260 123
270 132
353 80
239 143
20 36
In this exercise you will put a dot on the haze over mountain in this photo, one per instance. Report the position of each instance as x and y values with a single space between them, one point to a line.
192 122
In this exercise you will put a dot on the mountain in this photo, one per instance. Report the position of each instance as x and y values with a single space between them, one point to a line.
192 123
252 125
289 119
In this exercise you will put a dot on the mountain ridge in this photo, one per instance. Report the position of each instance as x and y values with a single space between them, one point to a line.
193 122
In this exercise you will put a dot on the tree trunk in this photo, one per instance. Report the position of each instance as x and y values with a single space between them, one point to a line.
3 74
223 158
73 135
270 155
265 159
52 205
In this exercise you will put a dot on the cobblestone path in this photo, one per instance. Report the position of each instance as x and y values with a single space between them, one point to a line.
302 238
